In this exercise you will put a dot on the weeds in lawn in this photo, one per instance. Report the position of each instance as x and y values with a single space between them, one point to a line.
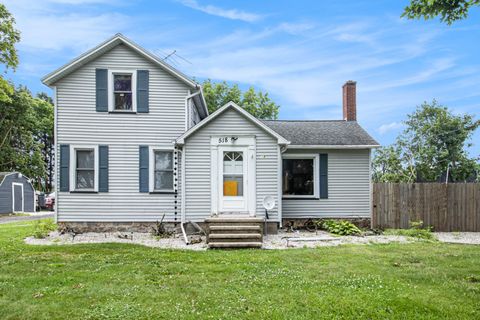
41 228
417 231
159 231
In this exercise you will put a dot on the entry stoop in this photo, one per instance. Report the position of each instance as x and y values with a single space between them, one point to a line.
232 232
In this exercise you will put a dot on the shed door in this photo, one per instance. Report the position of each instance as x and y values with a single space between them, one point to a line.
18 199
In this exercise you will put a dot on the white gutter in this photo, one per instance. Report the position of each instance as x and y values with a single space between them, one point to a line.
308 146
194 94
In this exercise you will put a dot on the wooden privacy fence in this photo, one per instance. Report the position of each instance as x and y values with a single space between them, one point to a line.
445 207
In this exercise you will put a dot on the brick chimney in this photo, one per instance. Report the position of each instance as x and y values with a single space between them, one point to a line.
350 101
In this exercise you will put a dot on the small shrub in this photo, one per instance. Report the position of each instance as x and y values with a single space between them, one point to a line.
41 228
340 227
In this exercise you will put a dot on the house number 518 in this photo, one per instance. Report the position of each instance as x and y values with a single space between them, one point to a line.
223 140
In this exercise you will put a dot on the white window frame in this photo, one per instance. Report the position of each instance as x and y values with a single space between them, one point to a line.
111 96
316 168
23 197
73 167
151 168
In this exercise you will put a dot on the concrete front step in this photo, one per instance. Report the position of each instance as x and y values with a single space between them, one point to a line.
235 228
226 220
234 232
235 245
239 236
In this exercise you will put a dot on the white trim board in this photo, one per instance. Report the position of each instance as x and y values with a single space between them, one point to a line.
151 167
73 167
281 140
247 144
23 196
111 96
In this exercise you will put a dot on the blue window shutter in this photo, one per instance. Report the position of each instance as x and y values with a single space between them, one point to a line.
64 167
142 91
103 169
101 87
323 176
143 165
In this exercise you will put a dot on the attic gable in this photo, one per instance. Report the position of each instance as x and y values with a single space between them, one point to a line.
106 46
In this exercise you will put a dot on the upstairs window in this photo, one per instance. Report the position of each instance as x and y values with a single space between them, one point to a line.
122 91
122 88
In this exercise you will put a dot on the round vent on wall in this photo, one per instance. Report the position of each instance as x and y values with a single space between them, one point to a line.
268 202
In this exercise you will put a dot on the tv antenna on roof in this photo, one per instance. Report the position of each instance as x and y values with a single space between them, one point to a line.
174 54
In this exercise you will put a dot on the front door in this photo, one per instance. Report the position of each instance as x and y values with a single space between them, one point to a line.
233 179
17 197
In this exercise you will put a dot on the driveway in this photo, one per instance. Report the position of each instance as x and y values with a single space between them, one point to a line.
36 216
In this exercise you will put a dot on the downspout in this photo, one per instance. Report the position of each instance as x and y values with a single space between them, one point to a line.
55 153
281 150
182 215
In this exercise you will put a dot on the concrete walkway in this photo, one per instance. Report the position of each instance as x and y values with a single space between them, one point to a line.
36 216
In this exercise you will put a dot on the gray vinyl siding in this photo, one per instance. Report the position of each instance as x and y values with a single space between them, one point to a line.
79 123
348 188
6 194
197 164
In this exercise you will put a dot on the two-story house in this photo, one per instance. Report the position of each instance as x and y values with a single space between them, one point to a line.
134 142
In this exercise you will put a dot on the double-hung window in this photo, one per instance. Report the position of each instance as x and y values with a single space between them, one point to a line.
84 169
122 87
163 170
300 176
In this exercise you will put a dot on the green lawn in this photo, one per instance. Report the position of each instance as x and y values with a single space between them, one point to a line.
414 281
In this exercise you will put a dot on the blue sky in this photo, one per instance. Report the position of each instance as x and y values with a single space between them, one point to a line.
301 52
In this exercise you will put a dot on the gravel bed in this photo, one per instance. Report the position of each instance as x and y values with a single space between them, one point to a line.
146 239
282 240
459 237
305 239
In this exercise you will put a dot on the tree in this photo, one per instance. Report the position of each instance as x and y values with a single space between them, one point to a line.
448 10
9 36
389 167
433 143
256 103
44 135
26 131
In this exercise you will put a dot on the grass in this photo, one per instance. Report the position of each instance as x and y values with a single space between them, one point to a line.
423 280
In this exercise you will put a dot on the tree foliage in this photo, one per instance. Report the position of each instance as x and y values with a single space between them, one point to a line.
9 36
448 10
433 143
26 131
256 103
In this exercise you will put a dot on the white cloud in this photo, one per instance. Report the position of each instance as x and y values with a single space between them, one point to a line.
233 14
384 128
46 26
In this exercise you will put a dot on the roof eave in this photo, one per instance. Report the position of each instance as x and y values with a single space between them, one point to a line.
280 140
318 146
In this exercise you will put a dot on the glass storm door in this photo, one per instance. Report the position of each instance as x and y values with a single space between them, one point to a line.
233 180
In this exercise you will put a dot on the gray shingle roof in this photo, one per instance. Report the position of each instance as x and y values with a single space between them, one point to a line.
322 132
